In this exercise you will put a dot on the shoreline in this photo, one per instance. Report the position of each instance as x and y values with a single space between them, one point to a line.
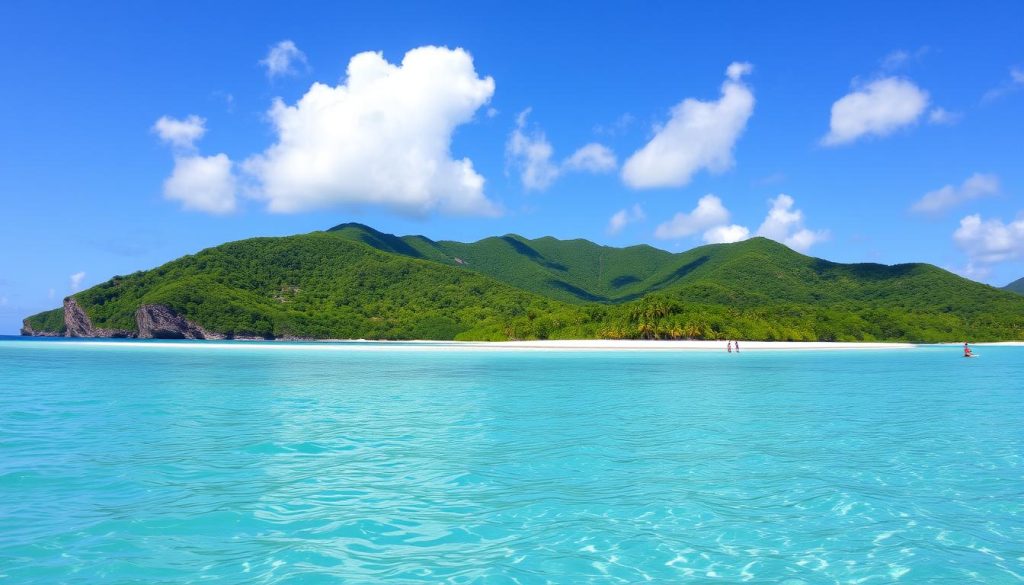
597 345
676 345
588 345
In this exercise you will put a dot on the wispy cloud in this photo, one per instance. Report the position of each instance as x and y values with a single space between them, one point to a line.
902 58
530 152
942 116
772 179
284 58
949 196
624 217
75 281
616 128
1012 84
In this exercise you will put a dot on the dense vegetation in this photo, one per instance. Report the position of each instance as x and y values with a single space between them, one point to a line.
1016 286
316 285
570 270
355 282
49 321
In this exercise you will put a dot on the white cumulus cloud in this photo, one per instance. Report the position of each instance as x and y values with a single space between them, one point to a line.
726 234
785 224
181 134
709 213
383 137
877 109
283 59
530 152
75 281
202 183
988 242
939 200
698 135
624 217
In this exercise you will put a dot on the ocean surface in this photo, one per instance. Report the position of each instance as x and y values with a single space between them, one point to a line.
137 462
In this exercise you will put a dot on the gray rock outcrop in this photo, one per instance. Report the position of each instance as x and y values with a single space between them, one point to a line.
160 322
151 321
78 324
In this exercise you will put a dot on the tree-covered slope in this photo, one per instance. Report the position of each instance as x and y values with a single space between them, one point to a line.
754 272
842 301
1016 286
569 270
321 286
760 271
355 282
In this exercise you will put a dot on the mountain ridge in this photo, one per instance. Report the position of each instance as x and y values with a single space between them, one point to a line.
353 281
1016 286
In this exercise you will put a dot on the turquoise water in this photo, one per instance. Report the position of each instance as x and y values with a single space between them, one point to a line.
287 463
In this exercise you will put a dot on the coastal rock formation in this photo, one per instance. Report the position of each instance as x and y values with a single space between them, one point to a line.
152 322
78 324
160 322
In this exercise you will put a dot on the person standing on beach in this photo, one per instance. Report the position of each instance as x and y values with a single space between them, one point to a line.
737 343
729 346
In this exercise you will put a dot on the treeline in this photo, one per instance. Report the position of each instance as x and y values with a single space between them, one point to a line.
323 286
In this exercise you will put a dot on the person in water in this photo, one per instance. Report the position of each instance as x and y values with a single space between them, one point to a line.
737 344
729 347
967 350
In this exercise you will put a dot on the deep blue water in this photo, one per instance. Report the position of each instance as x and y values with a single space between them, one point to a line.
129 462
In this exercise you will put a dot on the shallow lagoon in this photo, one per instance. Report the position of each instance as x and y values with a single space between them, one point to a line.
123 462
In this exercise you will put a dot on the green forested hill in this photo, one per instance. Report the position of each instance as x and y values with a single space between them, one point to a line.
314 285
1016 286
569 270
355 282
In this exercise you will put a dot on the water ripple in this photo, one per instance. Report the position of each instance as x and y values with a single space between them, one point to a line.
250 466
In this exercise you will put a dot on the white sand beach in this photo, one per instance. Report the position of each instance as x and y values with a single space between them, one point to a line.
679 345
986 344
536 345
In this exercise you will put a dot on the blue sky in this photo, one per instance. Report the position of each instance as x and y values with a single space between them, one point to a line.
894 130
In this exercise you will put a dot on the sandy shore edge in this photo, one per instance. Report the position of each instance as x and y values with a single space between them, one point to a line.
545 345
688 345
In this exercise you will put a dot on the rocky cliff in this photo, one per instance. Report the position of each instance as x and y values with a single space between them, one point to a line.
78 324
160 322
151 321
